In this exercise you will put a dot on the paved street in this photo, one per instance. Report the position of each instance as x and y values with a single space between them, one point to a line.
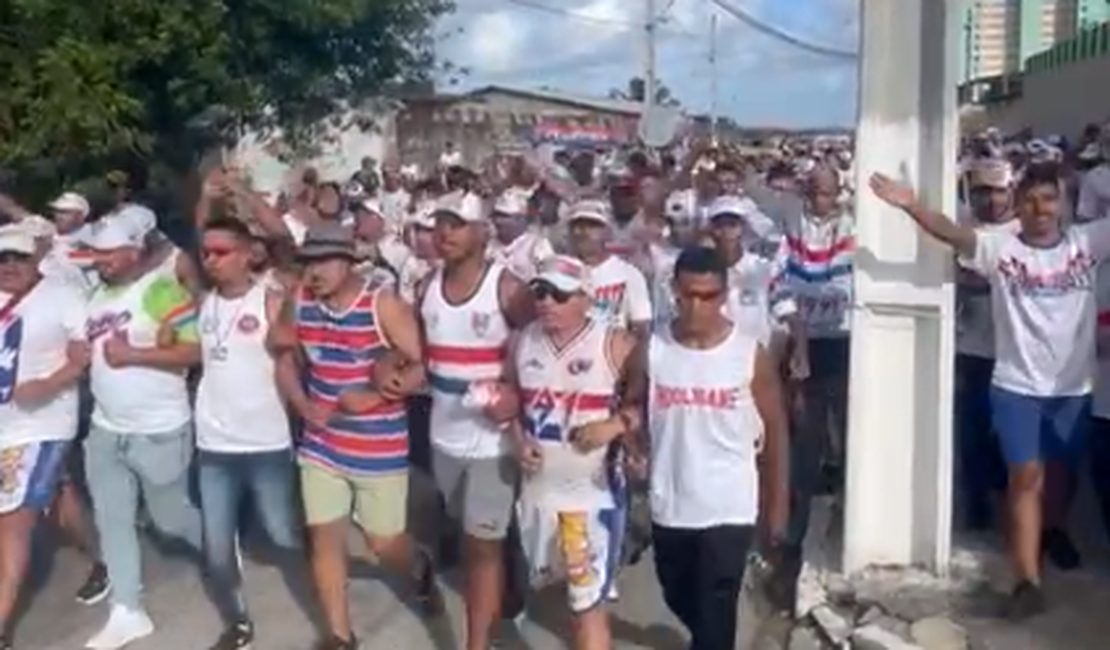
281 603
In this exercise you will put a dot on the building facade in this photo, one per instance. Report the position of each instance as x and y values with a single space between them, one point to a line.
999 35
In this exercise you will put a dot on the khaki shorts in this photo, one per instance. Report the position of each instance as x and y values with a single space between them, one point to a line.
378 504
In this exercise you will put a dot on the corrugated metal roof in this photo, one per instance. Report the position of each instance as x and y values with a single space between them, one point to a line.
596 103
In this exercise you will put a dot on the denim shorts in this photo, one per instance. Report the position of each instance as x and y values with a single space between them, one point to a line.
29 474
1034 428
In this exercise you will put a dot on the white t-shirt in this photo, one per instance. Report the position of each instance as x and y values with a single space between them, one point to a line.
395 206
620 293
1100 404
523 255
1094 194
974 325
33 342
1043 305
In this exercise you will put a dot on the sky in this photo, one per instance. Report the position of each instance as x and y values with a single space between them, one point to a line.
588 47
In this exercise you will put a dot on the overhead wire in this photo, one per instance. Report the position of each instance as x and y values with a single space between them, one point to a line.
781 35
599 20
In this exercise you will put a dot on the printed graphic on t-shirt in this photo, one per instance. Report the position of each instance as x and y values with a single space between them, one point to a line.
1076 274
12 339
608 301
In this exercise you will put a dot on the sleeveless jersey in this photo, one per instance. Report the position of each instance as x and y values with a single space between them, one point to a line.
464 344
341 349
561 390
705 431
238 408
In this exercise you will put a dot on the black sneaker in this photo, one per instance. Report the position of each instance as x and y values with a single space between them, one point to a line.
237 637
1057 545
335 643
428 597
97 586
1025 602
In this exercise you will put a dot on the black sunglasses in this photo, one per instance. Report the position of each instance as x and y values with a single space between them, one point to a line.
544 290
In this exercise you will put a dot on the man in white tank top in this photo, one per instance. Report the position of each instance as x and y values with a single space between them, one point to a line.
243 436
468 307
714 404
567 367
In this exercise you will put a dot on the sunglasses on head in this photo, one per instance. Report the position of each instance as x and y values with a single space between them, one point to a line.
544 290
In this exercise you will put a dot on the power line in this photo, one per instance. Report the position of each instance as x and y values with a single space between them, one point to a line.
597 20
778 34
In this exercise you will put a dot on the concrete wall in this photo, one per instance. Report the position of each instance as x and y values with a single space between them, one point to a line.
1062 100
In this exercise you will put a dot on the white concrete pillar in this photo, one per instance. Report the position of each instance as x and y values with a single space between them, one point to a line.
899 485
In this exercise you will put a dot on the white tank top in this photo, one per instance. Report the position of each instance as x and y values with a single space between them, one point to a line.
464 344
705 430
238 407
561 390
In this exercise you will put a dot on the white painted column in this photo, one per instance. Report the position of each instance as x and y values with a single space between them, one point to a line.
899 474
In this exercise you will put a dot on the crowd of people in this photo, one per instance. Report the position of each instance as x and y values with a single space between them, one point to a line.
554 341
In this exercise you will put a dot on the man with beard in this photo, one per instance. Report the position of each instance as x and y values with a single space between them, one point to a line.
468 308
354 450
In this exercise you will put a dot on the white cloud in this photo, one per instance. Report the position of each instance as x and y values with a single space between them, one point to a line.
493 41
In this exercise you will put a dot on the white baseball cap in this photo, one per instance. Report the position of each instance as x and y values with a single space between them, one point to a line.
511 202
117 233
592 210
465 205
139 218
565 273
71 202
16 239
732 205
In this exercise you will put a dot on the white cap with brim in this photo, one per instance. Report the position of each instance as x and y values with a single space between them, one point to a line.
71 202
465 205
511 202
565 273
736 206
116 233
15 239
591 210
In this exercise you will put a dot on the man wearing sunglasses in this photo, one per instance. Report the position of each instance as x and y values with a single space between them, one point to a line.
714 407
571 512
43 354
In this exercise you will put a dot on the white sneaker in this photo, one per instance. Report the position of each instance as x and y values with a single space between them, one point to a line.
125 625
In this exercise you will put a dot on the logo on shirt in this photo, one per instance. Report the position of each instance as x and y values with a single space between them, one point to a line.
579 366
10 342
480 323
248 324
106 324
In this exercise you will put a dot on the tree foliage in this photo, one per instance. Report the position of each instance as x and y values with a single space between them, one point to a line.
636 89
100 82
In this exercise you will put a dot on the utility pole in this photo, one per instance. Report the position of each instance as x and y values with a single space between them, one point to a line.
651 22
713 76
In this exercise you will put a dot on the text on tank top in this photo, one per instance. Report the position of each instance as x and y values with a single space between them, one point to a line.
705 431
341 349
562 389
238 407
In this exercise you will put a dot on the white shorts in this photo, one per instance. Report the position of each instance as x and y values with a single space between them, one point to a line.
581 548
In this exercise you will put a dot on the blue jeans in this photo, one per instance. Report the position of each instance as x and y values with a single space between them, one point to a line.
121 468
226 479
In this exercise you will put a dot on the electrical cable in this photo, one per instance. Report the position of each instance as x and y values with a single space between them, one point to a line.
778 34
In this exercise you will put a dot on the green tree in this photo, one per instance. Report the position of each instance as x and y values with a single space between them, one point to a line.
117 82
636 90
